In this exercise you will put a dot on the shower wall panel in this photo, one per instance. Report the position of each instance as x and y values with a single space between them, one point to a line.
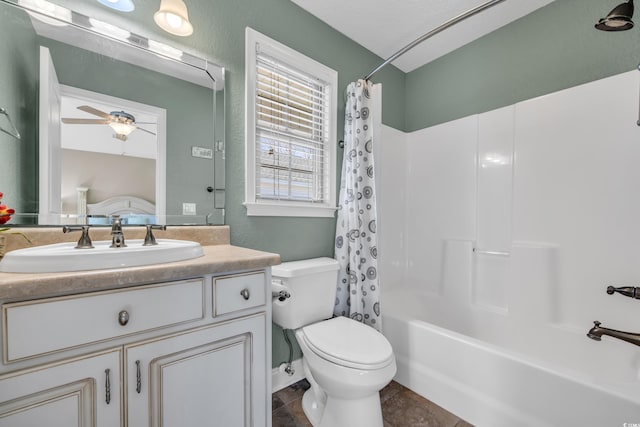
576 186
441 197
556 175
390 165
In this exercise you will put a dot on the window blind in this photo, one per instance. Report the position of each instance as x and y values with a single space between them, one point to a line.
292 130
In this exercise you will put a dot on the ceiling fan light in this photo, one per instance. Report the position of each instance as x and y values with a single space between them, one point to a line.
122 128
119 5
173 17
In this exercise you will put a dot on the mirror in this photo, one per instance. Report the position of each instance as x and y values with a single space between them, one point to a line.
109 122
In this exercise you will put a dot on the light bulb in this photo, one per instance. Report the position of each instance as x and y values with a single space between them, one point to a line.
173 20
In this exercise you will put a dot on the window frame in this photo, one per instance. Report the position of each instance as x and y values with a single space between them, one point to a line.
294 59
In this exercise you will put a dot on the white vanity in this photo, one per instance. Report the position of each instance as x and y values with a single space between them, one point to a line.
180 344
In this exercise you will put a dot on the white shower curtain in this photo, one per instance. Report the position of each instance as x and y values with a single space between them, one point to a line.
358 292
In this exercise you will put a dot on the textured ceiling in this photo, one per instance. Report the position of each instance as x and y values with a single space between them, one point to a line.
386 26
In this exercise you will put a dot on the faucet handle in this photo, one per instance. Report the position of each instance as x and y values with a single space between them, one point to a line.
628 291
149 239
85 240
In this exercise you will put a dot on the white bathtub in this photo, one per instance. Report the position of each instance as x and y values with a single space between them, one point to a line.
494 372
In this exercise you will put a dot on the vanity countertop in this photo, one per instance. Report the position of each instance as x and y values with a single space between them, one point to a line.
216 259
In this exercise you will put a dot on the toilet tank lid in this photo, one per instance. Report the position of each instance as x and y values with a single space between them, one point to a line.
304 267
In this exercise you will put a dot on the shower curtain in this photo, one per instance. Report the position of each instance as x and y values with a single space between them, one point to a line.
358 288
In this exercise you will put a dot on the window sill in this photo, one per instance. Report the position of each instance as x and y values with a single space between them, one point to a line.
275 209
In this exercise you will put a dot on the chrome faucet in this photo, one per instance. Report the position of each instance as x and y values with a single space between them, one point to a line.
597 332
85 240
117 236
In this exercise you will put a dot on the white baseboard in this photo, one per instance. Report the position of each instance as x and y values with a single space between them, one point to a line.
280 379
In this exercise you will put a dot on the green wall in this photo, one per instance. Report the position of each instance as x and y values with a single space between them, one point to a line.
19 96
553 48
219 27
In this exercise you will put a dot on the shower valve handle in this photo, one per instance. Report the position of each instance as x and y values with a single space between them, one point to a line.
628 291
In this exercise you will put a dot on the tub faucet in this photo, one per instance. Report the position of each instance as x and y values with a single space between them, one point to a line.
117 236
597 332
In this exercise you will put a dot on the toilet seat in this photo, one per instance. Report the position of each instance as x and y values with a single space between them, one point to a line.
348 343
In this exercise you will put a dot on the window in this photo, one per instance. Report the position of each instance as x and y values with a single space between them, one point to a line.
291 131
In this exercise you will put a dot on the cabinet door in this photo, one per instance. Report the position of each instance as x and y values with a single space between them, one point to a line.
211 376
83 392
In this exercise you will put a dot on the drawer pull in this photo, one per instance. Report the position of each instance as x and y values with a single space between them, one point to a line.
245 293
123 317
138 377
107 387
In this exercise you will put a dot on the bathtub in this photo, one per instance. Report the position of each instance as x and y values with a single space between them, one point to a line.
494 371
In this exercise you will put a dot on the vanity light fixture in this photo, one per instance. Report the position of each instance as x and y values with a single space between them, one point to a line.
619 19
119 5
174 18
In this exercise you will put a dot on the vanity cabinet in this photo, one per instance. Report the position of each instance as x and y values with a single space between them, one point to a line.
203 377
191 352
84 391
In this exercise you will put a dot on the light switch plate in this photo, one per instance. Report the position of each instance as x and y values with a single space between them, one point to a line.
188 209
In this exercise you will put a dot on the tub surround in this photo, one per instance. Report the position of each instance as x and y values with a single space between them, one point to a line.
488 296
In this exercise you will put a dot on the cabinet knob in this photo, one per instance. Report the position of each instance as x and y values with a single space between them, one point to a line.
123 317
245 293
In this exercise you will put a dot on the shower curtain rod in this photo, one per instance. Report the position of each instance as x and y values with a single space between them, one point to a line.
433 32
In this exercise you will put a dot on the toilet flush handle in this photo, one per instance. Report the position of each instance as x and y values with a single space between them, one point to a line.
278 290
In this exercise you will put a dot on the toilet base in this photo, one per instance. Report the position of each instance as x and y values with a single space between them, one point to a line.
311 408
362 412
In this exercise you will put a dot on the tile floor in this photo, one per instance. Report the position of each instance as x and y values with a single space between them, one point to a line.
400 408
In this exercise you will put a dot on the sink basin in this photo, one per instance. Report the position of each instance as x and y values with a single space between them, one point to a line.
62 257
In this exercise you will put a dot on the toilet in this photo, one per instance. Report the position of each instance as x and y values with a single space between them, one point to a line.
346 362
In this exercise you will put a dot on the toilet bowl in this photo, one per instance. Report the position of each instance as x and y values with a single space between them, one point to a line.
346 362
348 374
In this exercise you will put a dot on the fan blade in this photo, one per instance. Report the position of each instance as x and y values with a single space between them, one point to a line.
71 121
144 130
94 111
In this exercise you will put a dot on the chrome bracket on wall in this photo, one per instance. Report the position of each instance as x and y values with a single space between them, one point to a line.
12 131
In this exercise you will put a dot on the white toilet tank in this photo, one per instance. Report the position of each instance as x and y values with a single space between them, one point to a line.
312 285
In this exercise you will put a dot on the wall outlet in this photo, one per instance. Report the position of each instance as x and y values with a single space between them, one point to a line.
188 209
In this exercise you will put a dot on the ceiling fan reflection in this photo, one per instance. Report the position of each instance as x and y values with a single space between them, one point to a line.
121 122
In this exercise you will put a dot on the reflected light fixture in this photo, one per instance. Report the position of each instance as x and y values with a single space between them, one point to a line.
174 18
619 19
119 5
109 30
165 50
122 124
47 12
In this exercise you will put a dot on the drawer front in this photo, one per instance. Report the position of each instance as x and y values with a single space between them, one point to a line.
38 327
232 293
